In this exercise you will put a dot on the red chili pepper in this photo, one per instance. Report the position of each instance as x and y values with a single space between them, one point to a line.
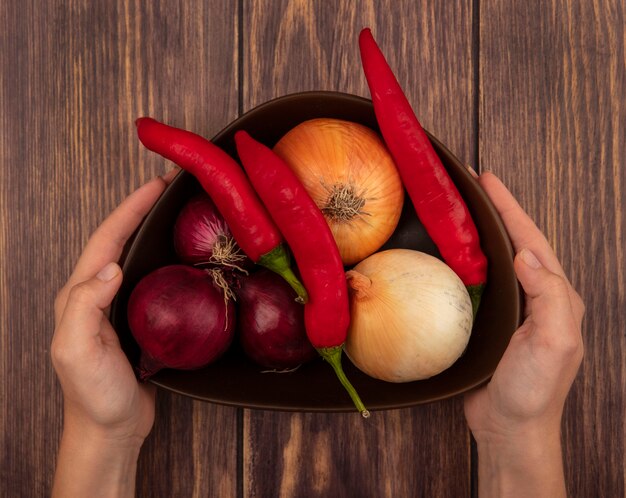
327 313
229 188
437 201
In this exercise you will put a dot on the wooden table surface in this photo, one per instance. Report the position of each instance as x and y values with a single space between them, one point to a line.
534 91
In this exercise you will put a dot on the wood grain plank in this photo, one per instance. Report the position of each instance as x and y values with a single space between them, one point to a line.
74 76
409 452
292 46
552 114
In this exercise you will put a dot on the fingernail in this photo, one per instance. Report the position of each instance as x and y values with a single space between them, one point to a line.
471 170
170 175
109 272
529 258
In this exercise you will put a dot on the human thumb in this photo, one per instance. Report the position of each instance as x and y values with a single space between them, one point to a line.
546 292
88 299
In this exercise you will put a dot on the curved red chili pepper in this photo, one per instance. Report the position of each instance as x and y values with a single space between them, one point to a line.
229 188
437 201
327 314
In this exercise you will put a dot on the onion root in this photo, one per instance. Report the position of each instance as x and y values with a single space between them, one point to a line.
344 203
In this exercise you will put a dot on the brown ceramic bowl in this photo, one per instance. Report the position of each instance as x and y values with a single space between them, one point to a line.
235 380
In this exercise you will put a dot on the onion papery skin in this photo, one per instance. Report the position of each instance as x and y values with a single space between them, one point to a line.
202 237
347 170
270 322
180 319
411 316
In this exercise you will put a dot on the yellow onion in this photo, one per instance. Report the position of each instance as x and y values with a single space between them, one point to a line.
411 316
350 175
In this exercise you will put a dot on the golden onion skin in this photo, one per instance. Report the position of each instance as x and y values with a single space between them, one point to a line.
352 178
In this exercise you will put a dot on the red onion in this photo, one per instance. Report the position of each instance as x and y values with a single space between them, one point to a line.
271 322
180 318
201 236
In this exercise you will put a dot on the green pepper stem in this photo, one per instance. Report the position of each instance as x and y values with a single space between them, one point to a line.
278 261
333 356
475 293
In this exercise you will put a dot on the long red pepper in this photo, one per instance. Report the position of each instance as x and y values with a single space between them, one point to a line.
437 201
327 313
231 191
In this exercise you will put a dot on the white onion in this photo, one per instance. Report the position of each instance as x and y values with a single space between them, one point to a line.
411 316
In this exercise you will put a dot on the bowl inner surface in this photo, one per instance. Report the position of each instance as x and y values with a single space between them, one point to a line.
235 380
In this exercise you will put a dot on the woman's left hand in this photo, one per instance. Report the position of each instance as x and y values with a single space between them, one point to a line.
107 412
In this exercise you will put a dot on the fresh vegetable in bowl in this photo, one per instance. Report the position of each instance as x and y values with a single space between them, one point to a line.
181 318
326 314
224 180
270 323
411 316
347 170
202 237
436 198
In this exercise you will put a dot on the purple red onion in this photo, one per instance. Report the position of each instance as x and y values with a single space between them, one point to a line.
201 236
181 318
271 322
